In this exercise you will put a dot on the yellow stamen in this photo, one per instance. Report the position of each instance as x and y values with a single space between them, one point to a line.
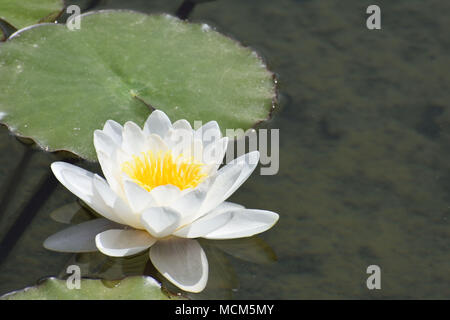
151 169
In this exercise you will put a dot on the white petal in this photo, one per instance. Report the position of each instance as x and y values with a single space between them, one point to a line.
178 135
250 161
107 195
227 206
160 221
158 122
200 227
189 203
121 157
118 210
134 141
214 152
196 151
121 243
103 143
111 171
180 141
208 133
188 149
166 194
182 261
79 238
138 198
155 143
182 124
229 178
114 130
206 224
80 182
245 223
80 185
223 181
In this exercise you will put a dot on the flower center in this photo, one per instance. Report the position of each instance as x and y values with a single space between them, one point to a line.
151 169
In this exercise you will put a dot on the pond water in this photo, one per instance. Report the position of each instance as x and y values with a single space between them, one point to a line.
364 177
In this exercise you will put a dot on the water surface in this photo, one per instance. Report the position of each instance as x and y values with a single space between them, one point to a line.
364 154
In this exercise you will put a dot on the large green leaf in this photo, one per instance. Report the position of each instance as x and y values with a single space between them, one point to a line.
132 288
58 86
22 13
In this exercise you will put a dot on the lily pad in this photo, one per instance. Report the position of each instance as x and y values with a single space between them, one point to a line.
58 85
22 13
132 288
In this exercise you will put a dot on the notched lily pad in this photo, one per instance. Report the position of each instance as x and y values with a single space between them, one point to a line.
22 13
59 85
131 288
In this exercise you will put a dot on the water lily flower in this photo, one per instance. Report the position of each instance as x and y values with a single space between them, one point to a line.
163 189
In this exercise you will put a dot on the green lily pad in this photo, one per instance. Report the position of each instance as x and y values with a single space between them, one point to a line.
58 86
22 13
132 288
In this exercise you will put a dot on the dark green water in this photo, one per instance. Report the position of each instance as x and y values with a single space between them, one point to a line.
364 174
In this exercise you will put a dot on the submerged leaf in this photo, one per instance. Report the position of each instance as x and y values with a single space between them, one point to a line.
59 85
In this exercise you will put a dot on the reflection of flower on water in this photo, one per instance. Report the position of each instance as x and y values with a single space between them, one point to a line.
162 189
222 282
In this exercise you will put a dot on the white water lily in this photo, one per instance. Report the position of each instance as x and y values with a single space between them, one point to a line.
163 188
